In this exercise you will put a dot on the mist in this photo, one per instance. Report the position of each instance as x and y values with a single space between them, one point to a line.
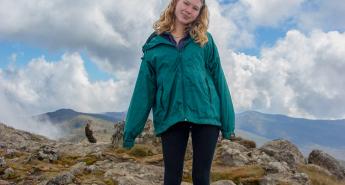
14 115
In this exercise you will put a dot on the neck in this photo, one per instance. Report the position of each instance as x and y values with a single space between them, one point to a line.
179 29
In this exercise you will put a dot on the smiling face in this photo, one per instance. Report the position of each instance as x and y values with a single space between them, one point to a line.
187 11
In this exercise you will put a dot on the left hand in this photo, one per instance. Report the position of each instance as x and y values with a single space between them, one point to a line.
233 137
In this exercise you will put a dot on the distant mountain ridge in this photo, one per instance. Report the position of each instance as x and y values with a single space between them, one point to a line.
303 131
327 135
63 115
271 126
261 127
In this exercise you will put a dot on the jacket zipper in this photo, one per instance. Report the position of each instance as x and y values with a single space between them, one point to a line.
183 95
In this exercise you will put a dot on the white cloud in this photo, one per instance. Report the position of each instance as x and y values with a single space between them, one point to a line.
270 12
325 15
245 16
304 14
302 75
109 31
226 32
45 85
12 113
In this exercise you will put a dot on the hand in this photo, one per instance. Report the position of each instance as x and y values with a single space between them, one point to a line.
233 137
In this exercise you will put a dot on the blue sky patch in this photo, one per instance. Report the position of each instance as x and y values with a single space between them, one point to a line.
24 53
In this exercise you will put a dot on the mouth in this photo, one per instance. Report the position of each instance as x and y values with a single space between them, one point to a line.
185 16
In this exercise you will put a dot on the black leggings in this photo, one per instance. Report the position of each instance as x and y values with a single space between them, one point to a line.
174 143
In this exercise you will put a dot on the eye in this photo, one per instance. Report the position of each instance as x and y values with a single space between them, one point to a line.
186 2
196 8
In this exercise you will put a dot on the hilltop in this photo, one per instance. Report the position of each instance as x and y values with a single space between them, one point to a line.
27 158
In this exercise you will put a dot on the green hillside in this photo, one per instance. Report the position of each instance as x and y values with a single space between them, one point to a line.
75 129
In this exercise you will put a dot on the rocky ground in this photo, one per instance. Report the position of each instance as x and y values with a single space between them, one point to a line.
27 159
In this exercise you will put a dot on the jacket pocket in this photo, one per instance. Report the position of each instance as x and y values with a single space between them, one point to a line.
161 98
209 91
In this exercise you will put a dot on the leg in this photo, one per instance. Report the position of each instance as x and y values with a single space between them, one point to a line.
204 139
174 143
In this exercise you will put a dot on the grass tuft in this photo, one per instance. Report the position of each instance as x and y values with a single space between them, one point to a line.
140 151
318 177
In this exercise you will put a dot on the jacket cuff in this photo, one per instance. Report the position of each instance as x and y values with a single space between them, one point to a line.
128 144
227 134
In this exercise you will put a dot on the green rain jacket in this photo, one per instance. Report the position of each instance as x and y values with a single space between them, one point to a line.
186 84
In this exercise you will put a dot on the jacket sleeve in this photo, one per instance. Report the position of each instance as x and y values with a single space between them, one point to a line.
227 114
140 104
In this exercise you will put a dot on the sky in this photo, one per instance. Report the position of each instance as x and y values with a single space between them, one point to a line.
279 57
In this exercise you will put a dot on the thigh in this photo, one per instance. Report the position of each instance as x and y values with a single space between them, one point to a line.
204 140
174 142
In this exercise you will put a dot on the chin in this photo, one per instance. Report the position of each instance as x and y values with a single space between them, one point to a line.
185 22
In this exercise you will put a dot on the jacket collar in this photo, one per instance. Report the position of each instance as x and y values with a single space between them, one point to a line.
159 39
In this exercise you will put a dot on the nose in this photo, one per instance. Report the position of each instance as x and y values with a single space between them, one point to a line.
188 10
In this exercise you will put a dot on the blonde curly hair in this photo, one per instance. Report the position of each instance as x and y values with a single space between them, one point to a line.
197 29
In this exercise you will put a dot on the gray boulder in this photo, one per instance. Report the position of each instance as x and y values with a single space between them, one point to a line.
20 140
328 162
147 136
117 136
233 154
78 168
62 179
8 173
134 173
257 156
3 165
45 153
277 167
284 150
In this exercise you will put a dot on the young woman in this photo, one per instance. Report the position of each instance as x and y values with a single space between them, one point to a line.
182 80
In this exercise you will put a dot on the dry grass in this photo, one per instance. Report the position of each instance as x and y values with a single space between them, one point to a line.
14 155
96 177
34 167
247 175
49 170
138 150
67 160
89 160
318 177
244 174
247 143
